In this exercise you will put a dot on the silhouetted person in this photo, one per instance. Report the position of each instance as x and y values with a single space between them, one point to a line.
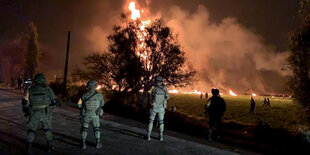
215 109
252 106
206 94
265 102
19 83
201 96
268 102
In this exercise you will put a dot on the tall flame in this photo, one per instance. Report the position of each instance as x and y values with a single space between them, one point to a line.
135 14
141 50
232 93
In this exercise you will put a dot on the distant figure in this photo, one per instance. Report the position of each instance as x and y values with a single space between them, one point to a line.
252 106
19 83
201 96
268 102
265 102
215 109
27 83
206 94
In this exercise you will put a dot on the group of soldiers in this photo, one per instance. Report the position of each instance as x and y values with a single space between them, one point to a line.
39 101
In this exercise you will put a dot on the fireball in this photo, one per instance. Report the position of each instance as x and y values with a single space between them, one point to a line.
253 94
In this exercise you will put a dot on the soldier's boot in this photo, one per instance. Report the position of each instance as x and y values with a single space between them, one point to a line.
83 143
29 148
161 136
161 130
98 144
210 134
148 136
50 146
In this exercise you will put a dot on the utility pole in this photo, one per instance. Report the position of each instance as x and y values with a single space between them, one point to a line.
64 84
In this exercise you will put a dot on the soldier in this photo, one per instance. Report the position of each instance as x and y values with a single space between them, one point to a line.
215 108
91 105
206 95
159 97
38 103
252 106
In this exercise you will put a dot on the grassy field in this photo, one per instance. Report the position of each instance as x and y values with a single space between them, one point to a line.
282 114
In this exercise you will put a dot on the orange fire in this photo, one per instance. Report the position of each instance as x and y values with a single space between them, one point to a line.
135 14
141 50
232 93
173 91
98 87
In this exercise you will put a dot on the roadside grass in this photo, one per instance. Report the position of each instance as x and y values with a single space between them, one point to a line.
282 114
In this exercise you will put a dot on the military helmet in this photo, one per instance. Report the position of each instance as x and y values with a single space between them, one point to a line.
39 79
159 79
91 84
215 92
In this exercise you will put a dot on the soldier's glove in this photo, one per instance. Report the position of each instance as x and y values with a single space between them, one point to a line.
55 102
99 112
165 104
81 119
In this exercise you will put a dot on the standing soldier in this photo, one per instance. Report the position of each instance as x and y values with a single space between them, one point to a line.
215 108
91 105
38 103
159 97
252 106
206 95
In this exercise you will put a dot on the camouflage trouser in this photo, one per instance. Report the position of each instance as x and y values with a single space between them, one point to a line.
94 119
161 113
44 118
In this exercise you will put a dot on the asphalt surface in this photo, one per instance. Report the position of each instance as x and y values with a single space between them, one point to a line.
119 136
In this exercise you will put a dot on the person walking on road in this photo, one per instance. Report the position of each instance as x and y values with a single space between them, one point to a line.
19 83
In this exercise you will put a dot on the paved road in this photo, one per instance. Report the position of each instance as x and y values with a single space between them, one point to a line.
117 138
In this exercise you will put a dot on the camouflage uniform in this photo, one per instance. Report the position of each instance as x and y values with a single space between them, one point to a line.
91 105
38 103
159 103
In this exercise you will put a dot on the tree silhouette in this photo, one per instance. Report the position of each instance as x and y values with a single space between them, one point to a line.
32 51
299 58
122 67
